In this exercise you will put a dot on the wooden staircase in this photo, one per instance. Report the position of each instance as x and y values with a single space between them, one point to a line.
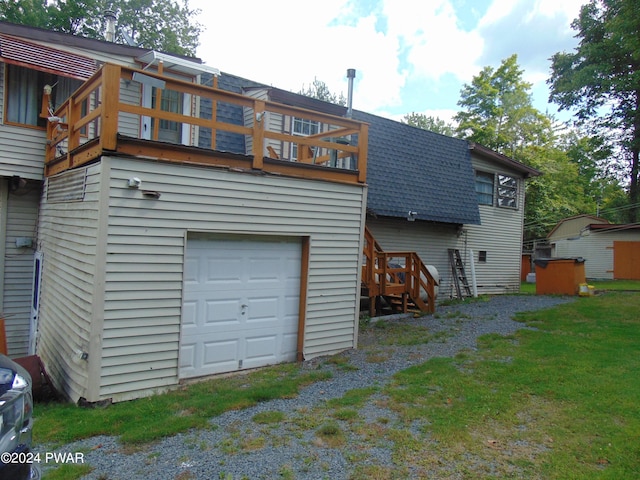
396 279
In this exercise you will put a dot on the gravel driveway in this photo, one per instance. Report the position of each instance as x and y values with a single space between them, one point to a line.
289 449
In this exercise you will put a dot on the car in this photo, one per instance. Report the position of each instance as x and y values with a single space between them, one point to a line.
16 422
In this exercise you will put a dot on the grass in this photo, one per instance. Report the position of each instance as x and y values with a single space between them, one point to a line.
67 472
600 285
560 402
149 419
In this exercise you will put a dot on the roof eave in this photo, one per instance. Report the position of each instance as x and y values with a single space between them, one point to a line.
510 162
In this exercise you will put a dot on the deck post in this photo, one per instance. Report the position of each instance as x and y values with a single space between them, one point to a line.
258 134
110 98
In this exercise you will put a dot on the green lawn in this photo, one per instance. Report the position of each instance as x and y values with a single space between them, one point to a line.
600 285
560 401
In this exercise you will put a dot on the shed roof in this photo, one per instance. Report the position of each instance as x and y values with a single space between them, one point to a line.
411 169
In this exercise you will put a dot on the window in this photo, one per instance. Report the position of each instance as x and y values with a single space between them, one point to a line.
482 256
172 101
507 191
484 188
303 128
24 94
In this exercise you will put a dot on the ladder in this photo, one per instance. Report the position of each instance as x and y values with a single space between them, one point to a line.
458 274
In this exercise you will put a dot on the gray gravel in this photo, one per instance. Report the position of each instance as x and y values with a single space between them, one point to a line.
289 449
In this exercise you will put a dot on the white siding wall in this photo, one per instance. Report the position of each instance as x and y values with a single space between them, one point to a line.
69 237
146 245
272 123
144 259
500 235
21 219
597 250
430 241
21 149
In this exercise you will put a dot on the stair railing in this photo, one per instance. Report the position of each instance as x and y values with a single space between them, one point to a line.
397 273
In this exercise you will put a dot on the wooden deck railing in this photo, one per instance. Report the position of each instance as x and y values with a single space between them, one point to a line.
102 114
400 274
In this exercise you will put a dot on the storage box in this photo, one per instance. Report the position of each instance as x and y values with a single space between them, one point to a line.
559 276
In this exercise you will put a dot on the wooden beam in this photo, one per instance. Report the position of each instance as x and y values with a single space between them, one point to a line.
302 306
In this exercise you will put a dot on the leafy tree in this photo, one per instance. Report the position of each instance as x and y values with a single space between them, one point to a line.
25 12
433 124
497 111
167 25
600 80
319 90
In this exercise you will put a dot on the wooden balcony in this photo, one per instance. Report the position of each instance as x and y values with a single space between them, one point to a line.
107 114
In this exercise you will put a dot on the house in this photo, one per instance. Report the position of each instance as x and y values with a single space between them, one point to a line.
430 193
159 260
461 196
184 222
610 251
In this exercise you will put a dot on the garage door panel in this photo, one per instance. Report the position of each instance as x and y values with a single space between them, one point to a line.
260 309
187 357
222 312
241 304
220 354
191 271
189 314
223 271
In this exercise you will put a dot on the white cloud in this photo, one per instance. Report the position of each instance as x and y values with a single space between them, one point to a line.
288 43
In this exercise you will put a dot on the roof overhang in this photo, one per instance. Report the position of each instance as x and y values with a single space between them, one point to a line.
21 52
303 101
613 227
176 64
504 160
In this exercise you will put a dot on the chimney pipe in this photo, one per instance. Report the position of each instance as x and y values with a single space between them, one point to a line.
110 20
351 75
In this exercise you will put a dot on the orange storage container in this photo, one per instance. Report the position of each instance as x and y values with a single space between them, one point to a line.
559 276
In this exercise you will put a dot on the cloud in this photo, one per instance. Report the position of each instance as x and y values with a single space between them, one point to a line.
409 56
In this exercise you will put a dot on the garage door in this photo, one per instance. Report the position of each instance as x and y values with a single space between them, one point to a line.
241 301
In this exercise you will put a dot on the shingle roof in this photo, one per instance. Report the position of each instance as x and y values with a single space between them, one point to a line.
409 168
225 112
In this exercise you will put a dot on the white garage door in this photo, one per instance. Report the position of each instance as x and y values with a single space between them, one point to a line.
241 301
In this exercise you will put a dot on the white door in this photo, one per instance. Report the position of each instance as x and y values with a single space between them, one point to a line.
241 301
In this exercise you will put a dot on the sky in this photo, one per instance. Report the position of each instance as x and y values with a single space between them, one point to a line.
409 55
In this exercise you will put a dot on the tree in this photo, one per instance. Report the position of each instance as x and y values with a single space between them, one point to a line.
600 80
167 25
497 110
433 124
319 90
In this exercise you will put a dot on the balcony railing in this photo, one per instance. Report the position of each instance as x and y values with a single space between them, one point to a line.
111 112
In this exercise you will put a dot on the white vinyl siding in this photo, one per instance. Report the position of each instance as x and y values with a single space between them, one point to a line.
500 236
430 241
21 219
143 262
68 233
128 123
21 149
596 248
273 122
